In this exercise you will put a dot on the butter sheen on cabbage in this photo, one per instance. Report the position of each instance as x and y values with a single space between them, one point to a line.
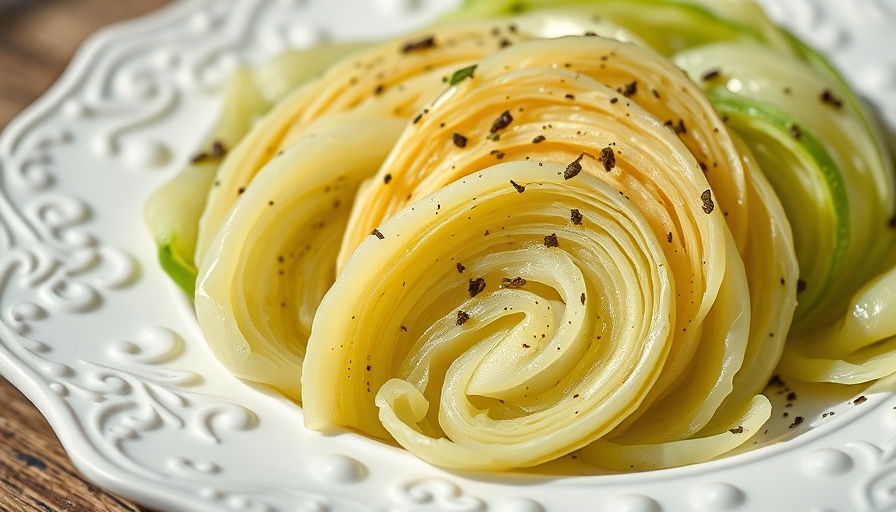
499 241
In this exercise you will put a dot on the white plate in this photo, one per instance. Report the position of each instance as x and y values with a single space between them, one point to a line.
102 342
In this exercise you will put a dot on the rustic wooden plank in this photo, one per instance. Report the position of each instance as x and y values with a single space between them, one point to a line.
39 39
35 471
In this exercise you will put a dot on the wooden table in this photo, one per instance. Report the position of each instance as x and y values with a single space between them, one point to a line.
37 40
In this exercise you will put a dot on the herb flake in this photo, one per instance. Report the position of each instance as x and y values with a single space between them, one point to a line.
462 74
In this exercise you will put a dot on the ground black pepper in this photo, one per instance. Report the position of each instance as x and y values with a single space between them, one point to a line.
503 121
608 158
476 286
708 205
516 282
574 168
422 44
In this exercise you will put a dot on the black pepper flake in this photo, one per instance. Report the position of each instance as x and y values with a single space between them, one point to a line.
460 268
498 154
504 43
582 298
574 168
828 98
551 240
570 96
418 118
608 158
476 286
516 282
378 89
630 89
860 400
218 149
737 430
540 138
708 205
678 128
519 188
526 345
215 153
462 317
459 140
795 132
614 100
791 396
800 286
462 74
776 381
241 190
422 44
576 216
712 73
377 234
669 237
387 178
503 121
797 421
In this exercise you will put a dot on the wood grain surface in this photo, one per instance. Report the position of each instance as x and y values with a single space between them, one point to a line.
37 40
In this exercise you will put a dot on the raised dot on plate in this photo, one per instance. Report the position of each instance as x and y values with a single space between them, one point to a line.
304 36
634 503
519 505
146 154
164 59
717 496
827 462
338 469
58 389
294 3
890 417
210 494
830 37
238 502
314 506
878 77
398 7
74 109
201 22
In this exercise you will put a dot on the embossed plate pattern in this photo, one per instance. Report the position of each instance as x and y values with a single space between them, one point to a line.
96 336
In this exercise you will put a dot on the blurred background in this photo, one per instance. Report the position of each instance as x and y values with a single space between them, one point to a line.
37 40
39 37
